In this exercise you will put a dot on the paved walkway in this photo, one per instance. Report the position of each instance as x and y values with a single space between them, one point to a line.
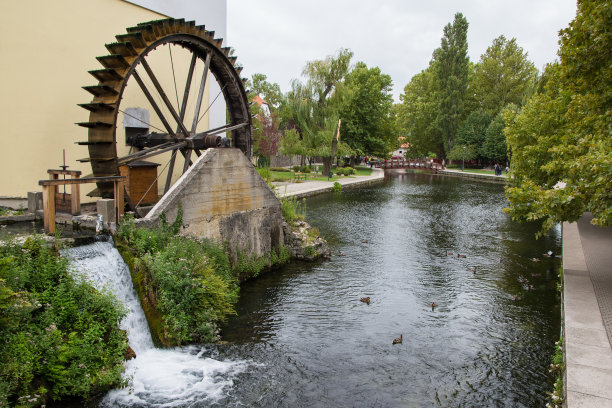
587 304
308 188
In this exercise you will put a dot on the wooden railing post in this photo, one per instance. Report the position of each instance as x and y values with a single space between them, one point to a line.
50 188
75 192
49 208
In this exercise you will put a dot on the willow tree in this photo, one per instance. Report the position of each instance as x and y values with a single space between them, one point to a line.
314 106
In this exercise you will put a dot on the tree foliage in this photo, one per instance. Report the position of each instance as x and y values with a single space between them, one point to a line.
494 147
368 124
269 91
560 141
503 75
418 112
451 66
472 132
313 107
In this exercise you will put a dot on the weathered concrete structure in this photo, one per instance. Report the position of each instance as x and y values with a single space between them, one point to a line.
224 199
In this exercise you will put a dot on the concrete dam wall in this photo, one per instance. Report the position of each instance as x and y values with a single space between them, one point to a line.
224 199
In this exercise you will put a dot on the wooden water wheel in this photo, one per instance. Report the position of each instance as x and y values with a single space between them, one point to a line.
175 126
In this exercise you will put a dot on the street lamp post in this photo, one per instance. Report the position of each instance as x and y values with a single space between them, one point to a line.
463 161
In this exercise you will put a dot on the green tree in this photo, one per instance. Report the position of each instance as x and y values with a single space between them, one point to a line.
494 148
462 152
367 118
560 141
472 132
418 112
268 91
451 65
503 75
313 107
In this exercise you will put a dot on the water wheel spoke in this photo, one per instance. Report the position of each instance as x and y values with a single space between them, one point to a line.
187 154
170 171
200 94
194 58
153 151
158 111
164 97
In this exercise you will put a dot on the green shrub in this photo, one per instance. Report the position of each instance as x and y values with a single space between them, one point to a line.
306 169
337 187
262 172
293 210
59 337
281 169
188 283
296 168
251 266
193 294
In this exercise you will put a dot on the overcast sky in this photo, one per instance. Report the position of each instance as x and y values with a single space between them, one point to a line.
277 37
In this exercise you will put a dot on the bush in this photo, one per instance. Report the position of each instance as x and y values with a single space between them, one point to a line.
345 171
292 209
263 173
192 293
337 187
59 337
189 283
281 169
296 168
306 169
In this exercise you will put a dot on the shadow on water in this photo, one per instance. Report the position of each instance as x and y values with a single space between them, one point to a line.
487 343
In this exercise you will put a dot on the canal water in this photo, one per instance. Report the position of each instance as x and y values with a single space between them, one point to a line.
309 341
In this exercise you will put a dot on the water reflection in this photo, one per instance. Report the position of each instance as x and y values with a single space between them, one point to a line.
487 343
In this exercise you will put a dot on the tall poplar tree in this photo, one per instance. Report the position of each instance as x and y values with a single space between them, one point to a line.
451 66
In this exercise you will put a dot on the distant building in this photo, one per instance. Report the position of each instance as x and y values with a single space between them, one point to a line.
47 49
404 146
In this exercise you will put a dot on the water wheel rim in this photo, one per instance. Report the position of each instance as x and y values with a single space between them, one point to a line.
108 94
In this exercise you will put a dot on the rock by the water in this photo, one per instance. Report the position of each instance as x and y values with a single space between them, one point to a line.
302 243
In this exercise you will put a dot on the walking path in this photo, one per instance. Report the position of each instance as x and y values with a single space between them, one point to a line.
313 187
587 304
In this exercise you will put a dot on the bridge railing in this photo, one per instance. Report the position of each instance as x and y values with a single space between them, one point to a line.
409 164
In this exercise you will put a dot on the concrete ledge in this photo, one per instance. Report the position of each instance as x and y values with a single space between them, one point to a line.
588 356
459 173
10 219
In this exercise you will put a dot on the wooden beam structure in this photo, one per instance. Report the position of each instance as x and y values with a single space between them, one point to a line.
50 188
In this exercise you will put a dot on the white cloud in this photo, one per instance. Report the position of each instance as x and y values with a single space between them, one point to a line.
277 37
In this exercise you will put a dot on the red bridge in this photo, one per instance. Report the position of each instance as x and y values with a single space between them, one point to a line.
402 163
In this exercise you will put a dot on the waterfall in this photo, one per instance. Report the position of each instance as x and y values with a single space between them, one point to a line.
157 377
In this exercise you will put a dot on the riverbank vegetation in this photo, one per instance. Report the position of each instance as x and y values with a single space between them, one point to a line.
186 286
59 337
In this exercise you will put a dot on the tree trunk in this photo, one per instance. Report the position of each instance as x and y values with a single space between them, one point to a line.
352 163
327 163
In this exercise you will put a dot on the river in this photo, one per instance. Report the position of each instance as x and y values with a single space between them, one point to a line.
310 342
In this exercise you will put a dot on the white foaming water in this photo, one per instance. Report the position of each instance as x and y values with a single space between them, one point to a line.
158 377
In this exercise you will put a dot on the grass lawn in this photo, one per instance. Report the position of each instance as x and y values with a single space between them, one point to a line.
290 175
